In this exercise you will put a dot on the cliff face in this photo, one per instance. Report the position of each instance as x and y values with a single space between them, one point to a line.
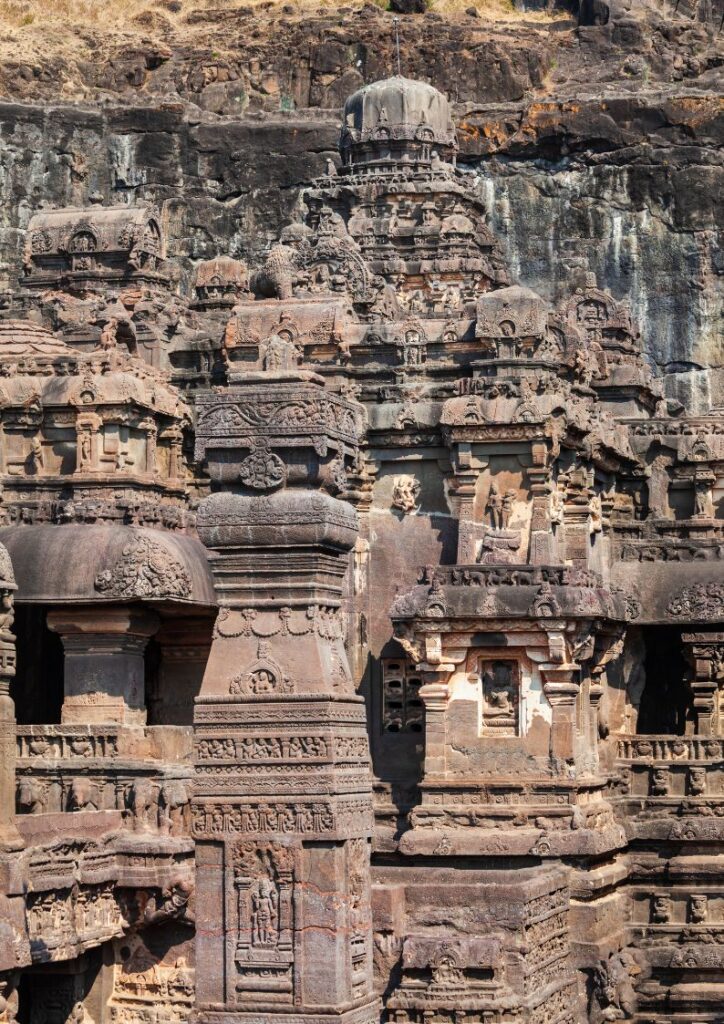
597 148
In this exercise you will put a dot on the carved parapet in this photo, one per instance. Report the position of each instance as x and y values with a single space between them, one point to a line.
84 246
670 786
515 591
67 742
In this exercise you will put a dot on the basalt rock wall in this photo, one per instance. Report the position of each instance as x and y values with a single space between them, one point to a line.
629 188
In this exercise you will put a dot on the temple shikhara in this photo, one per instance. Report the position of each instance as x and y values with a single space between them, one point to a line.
362 629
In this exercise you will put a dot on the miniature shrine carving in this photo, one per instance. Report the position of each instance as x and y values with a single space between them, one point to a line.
361 618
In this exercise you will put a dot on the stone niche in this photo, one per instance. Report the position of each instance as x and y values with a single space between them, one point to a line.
498 714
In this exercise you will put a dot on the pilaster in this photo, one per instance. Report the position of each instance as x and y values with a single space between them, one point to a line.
283 807
104 669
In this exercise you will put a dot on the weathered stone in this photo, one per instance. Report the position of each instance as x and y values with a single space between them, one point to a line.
394 482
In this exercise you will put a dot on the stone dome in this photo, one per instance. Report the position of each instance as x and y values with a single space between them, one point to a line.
397 118
26 338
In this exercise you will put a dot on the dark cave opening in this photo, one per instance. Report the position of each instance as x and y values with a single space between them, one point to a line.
38 685
666 703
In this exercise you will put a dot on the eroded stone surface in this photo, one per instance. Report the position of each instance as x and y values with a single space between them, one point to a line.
356 492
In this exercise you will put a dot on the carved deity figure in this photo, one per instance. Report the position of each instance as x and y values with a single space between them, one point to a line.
660 782
279 354
703 504
405 492
556 505
264 914
507 507
583 368
262 681
37 459
86 450
661 909
174 904
613 996
108 339
446 973
697 781
698 908
658 486
500 692
495 507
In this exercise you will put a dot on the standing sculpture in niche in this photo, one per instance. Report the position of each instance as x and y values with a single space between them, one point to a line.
37 459
278 354
507 508
265 914
495 507
658 487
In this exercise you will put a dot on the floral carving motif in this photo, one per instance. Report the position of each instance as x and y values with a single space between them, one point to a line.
145 570
262 470
701 601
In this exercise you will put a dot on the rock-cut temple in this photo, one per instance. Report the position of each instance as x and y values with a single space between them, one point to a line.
361 628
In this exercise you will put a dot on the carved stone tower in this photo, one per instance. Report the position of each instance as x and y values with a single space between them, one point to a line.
283 813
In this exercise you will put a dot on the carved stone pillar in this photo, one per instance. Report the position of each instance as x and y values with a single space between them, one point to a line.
148 426
435 694
560 684
9 835
184 644
283 809
705 653
463 486
103 668
541 538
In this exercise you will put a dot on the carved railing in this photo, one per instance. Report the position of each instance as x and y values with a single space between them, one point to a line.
674 749
680 776
106 767
63 742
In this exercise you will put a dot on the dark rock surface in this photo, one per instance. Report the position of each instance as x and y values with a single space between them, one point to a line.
596 148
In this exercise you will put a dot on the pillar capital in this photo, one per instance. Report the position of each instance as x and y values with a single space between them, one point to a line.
104 647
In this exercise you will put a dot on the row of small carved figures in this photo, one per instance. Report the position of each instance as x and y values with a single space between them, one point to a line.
665 908
83 911
664 552
524 576
671 781
670 748
171 517
82 363
59 745
147 805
